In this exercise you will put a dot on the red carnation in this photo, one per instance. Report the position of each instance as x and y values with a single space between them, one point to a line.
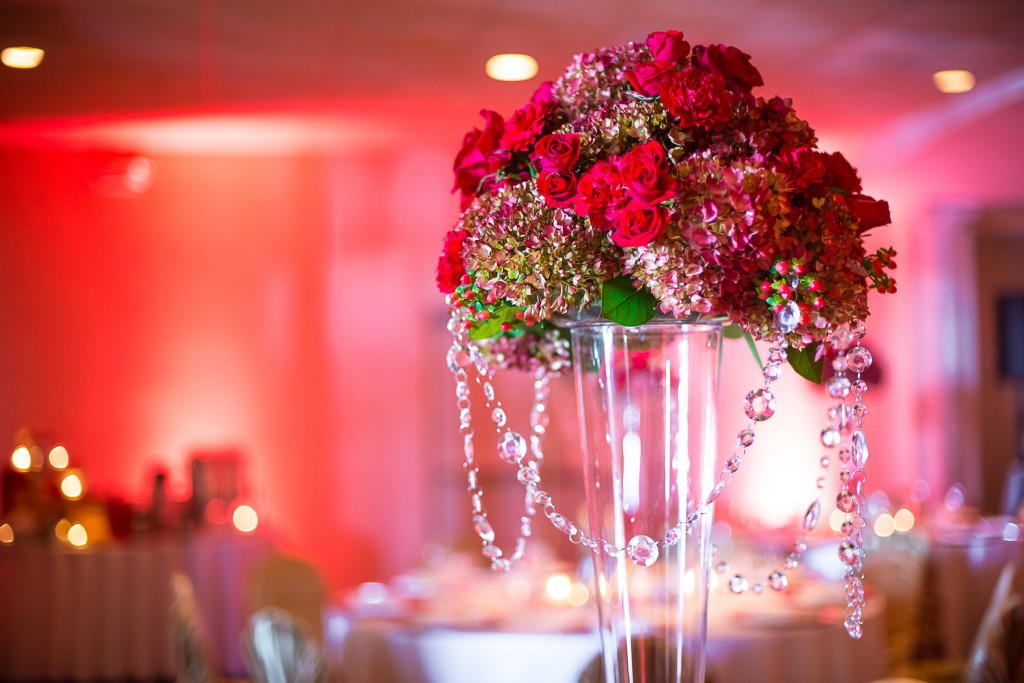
599 193
697 97
804 167
525 126
450 268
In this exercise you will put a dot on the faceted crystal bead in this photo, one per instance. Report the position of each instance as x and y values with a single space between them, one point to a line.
746 438
825 461
830 437
858 359
738 584
465 418
489 391
491 551
777 354
673 536
467 447
859 449
733 463
643 550
542 498
498 417
759 405
462 390
848 553
528 475
812 515
841 338
838 386
846 501
483 528
777 580
611 550
857 329
839 363
772 371
715 492
860 410
477 503
539 419
511 447
502 565
787 317
561 523
458 357
854 628
721 567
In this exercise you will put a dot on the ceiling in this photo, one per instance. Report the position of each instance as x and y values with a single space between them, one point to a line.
418 64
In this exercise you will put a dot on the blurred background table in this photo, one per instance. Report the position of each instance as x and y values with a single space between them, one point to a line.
103 613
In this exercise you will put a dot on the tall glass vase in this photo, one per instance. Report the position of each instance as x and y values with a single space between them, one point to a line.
647 399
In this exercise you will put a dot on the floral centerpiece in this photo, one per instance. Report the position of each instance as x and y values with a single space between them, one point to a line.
649 180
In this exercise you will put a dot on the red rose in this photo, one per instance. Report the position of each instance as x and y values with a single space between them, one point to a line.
557 152
731 64
697 97
668 46
450 268
804 167
870 212
599 193
558 188
638 226
840 174
525 126
646 77
479 157
645 174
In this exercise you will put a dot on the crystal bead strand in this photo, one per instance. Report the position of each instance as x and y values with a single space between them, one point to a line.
847 422
511 445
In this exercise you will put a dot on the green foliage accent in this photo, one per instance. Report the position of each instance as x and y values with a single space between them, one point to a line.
623 304
732 331
492 327
803 361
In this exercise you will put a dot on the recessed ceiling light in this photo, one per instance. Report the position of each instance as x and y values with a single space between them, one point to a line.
953 80
21 57
511 67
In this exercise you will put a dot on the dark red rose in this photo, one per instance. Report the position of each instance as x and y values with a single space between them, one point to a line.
558 188
840 174
450 268
644 171
732 65
479 157
870 212
668 46
804 167
599 193
638 226
697 97
646 77
557 152
525 126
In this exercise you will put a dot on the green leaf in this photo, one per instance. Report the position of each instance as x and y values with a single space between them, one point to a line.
804 363
753 349
732 331
485 330
623 304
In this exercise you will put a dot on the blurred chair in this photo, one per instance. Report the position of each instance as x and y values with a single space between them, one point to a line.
278 649
188 643
997 654
293 585
648 653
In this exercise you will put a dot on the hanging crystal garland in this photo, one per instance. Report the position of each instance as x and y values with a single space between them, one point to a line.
843 430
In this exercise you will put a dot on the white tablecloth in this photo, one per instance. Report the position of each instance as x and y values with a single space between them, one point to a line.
103 613
745 644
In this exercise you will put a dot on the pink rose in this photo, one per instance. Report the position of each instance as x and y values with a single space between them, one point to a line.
731 64
557 152
668 46
525 126
698 98
840 174
599 193
870 212
646 77
479 158
638 226
644 171
558 188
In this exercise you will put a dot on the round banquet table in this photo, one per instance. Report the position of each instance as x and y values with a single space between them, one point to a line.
103 613
749 639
